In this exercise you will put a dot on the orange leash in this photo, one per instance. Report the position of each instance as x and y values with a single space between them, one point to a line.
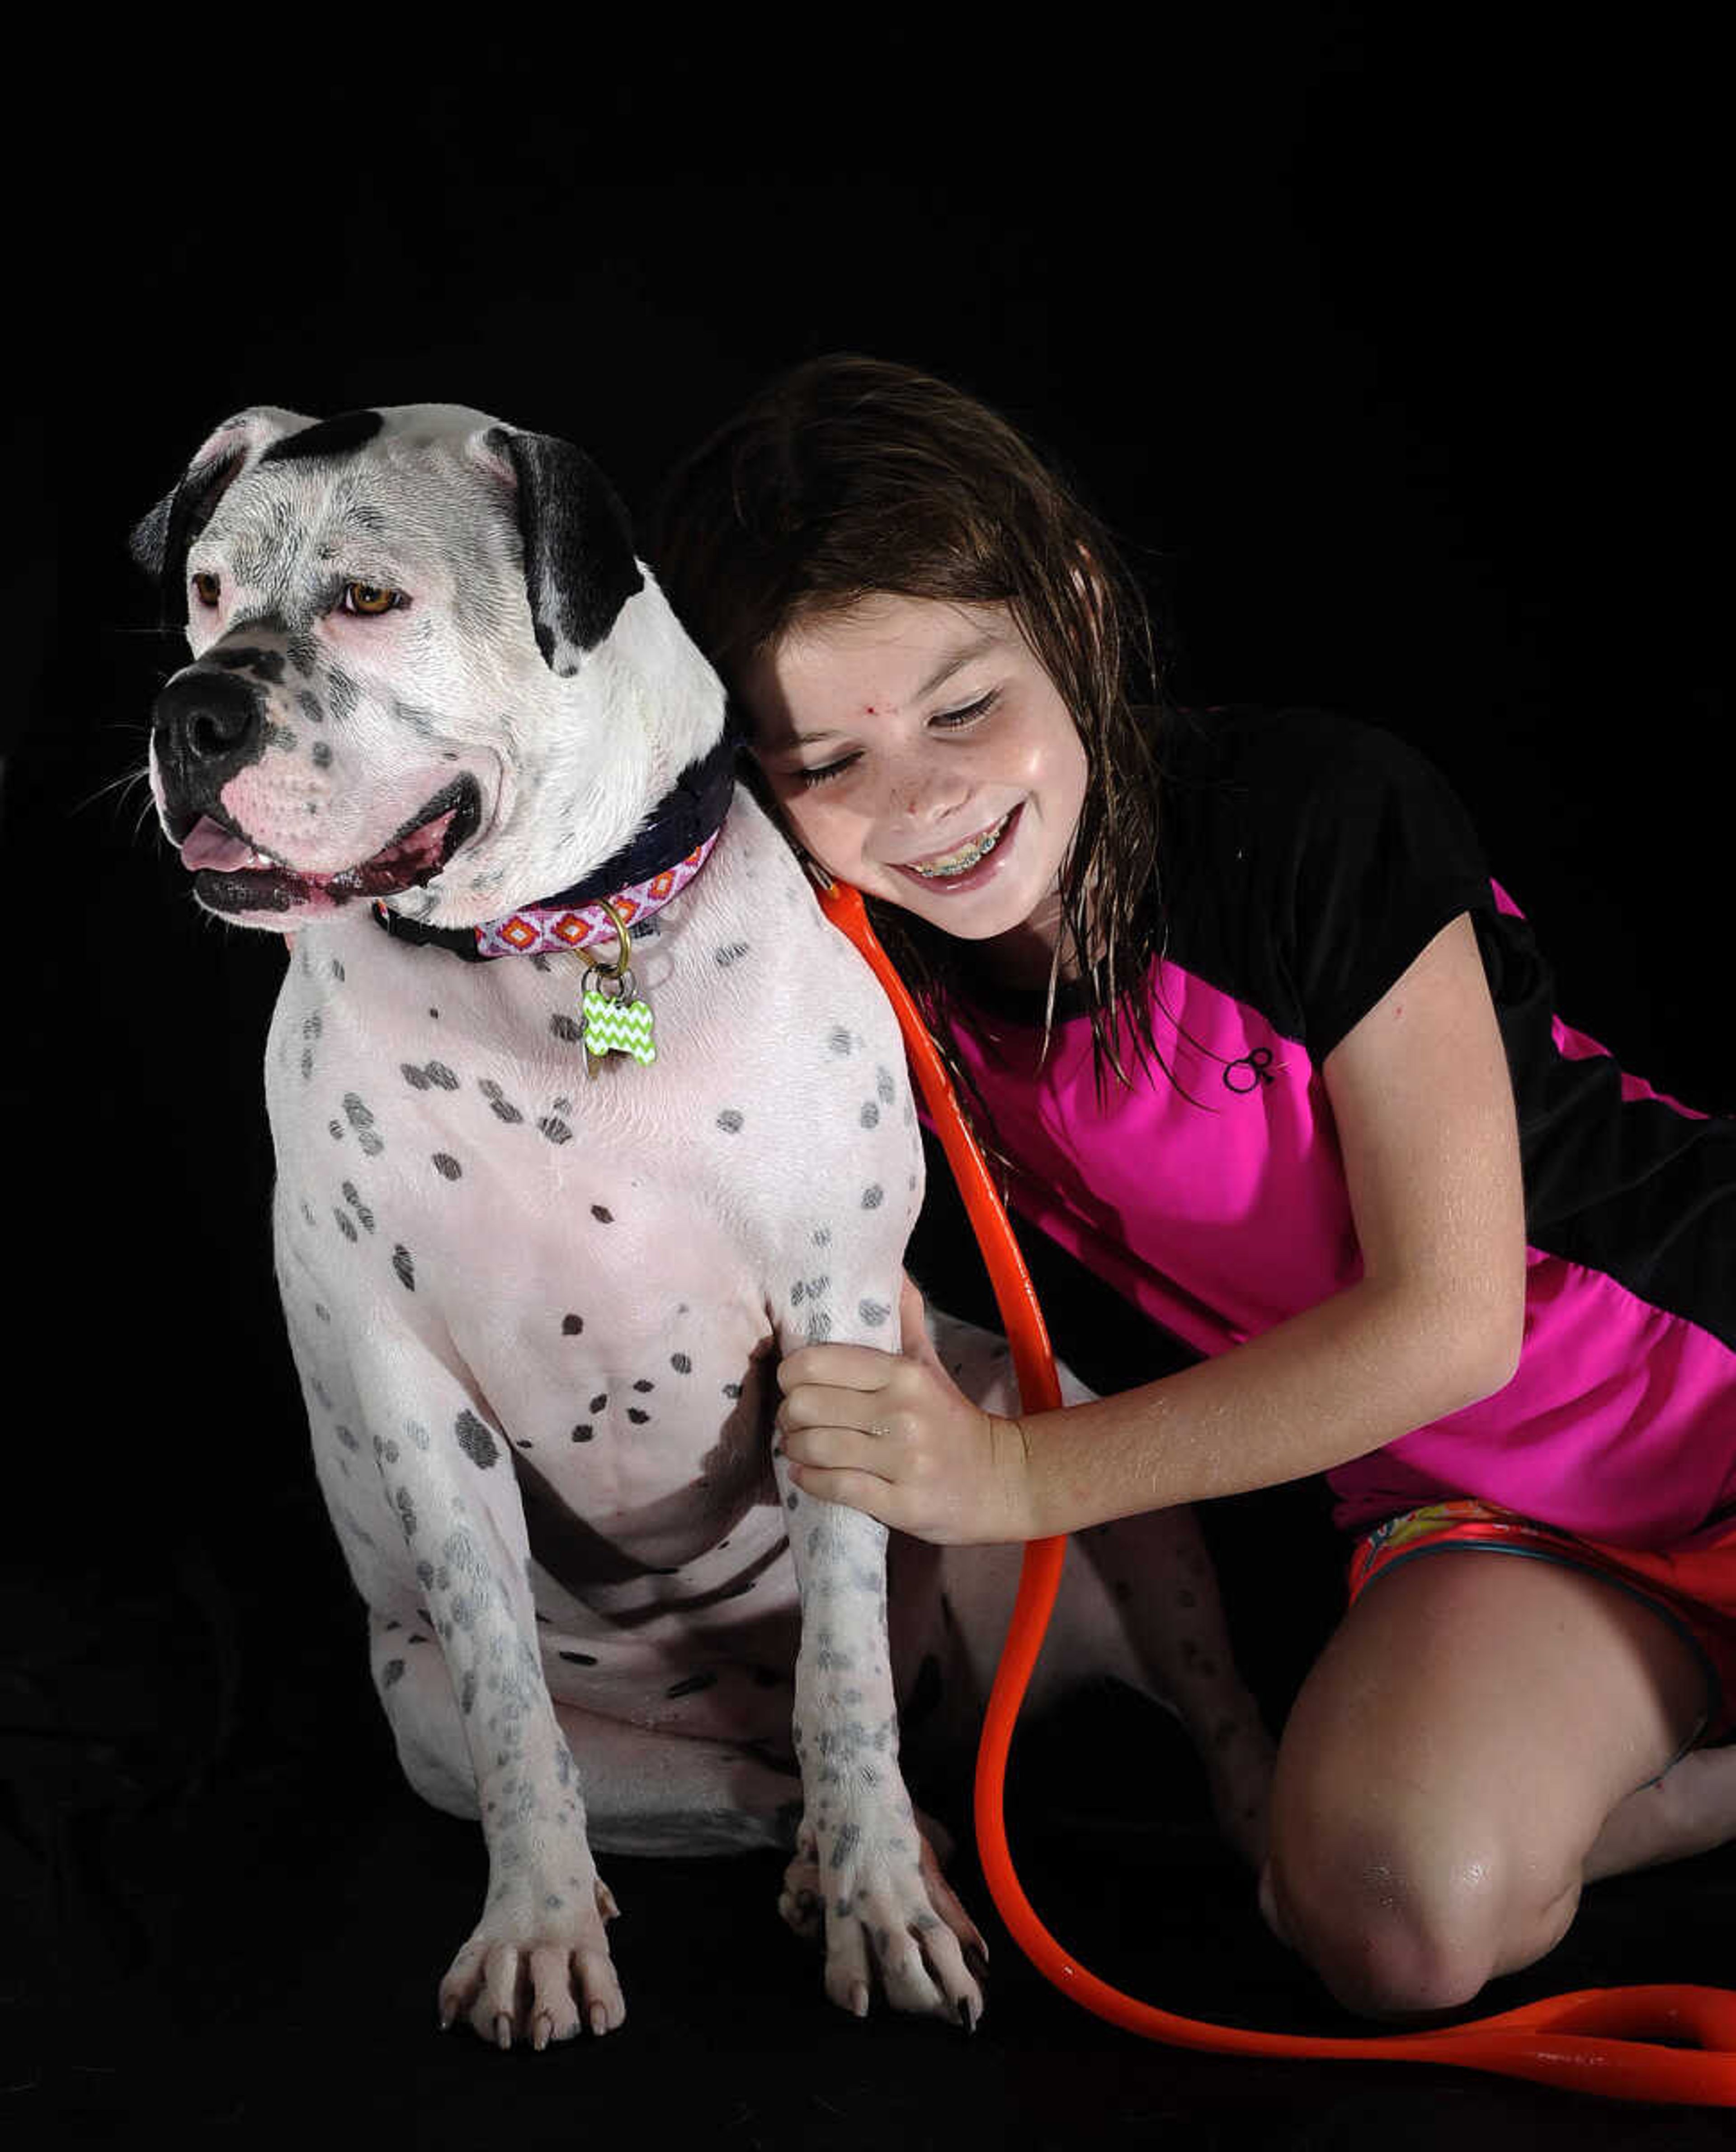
1608 2041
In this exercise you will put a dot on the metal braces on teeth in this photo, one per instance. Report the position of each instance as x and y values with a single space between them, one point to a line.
963 865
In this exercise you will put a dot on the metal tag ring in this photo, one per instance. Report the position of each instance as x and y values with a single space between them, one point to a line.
623 952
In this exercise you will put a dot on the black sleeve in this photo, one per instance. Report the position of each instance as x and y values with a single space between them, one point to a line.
1384 857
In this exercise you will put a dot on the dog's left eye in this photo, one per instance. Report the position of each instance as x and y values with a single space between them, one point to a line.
370 600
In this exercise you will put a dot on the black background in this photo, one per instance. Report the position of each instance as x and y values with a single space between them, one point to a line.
1389 354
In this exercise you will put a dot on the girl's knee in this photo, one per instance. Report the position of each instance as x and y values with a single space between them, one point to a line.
1393 1933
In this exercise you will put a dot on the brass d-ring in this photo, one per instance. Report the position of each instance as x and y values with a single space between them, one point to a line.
624 953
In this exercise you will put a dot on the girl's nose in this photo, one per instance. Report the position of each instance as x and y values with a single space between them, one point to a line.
923 793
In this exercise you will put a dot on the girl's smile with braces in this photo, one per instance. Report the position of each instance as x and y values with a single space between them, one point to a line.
967 854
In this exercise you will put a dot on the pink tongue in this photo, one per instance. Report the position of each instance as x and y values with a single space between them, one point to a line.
209 845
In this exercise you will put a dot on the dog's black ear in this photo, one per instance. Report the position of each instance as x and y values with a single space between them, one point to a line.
579 564
159 542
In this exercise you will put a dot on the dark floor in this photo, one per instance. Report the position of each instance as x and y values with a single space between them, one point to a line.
229 1915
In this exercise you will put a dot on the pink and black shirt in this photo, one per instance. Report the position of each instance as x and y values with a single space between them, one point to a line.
1306 861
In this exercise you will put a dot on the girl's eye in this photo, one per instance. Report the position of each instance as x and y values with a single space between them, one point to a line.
827 770
980 708
370 600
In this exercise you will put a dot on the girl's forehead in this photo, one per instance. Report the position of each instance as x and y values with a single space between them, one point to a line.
885 647
886 654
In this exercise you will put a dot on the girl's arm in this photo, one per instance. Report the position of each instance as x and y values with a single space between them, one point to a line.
1423 1108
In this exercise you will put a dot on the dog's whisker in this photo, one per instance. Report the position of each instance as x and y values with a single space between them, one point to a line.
121 783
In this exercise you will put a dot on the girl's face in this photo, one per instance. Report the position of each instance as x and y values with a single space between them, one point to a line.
921 751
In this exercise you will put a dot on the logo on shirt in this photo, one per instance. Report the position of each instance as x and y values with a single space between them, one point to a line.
1250 1072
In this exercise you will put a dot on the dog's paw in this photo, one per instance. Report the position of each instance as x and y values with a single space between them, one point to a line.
887 1914
802 1902
537 1968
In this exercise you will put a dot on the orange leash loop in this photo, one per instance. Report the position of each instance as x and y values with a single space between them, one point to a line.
1600 2040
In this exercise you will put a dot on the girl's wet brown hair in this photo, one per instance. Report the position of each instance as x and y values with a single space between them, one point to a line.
848 476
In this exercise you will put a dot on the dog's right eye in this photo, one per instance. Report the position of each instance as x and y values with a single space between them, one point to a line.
207 586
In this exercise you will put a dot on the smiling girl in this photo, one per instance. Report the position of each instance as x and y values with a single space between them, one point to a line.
1259 1041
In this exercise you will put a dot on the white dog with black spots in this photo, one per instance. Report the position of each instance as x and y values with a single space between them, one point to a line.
441 730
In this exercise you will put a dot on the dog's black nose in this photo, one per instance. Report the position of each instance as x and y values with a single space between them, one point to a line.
206 725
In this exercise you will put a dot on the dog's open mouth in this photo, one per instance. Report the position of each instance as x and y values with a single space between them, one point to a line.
232 875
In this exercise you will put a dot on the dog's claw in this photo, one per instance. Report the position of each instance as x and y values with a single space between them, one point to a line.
859 1999
503 2030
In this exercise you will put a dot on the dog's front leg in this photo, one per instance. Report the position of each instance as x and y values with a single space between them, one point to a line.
886 1905
539 1955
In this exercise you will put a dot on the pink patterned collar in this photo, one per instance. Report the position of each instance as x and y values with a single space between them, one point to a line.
538 926
686 822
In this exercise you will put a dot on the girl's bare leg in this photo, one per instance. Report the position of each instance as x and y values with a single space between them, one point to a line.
1451 1764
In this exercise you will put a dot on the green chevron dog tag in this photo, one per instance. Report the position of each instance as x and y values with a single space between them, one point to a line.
617 1023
